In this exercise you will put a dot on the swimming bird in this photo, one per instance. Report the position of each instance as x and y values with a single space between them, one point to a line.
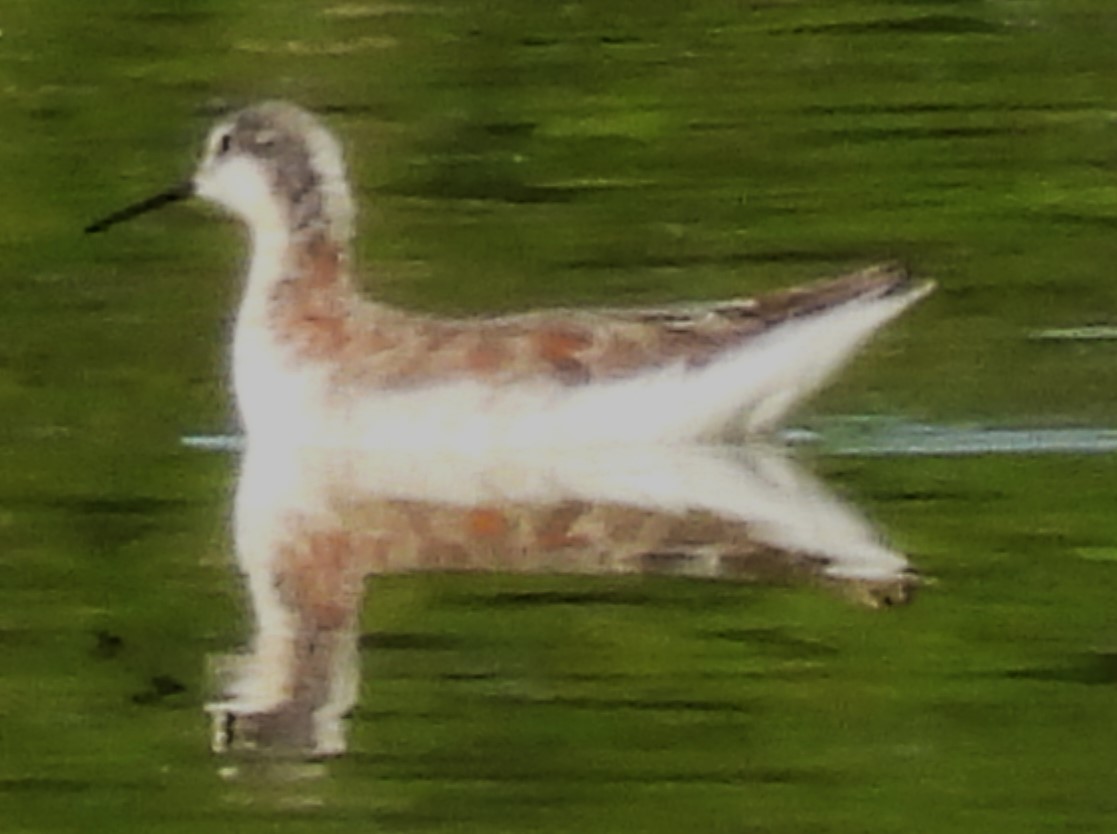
315 363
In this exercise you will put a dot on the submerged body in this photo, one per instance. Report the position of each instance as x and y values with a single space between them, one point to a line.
314 363
314 524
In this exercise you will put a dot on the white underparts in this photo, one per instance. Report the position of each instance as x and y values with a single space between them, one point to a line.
747 391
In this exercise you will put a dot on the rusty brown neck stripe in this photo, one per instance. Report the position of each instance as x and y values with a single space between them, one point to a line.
316 263
310 307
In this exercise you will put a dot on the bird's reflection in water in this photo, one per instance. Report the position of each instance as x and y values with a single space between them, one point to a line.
313 525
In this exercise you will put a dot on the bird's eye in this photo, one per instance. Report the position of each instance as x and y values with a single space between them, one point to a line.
224 144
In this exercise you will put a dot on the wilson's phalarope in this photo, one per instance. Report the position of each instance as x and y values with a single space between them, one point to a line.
314 363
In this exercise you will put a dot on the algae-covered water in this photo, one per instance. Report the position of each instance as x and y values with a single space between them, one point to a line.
511 155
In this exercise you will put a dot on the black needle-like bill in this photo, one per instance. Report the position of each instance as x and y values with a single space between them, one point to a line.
172 195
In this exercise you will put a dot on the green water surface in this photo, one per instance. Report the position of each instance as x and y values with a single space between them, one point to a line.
511 155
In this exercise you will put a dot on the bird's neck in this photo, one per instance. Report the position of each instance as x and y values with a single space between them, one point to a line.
295 266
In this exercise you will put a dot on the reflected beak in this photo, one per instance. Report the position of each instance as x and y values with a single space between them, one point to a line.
171 195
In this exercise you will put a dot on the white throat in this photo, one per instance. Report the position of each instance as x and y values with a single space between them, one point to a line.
241 186
274 394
